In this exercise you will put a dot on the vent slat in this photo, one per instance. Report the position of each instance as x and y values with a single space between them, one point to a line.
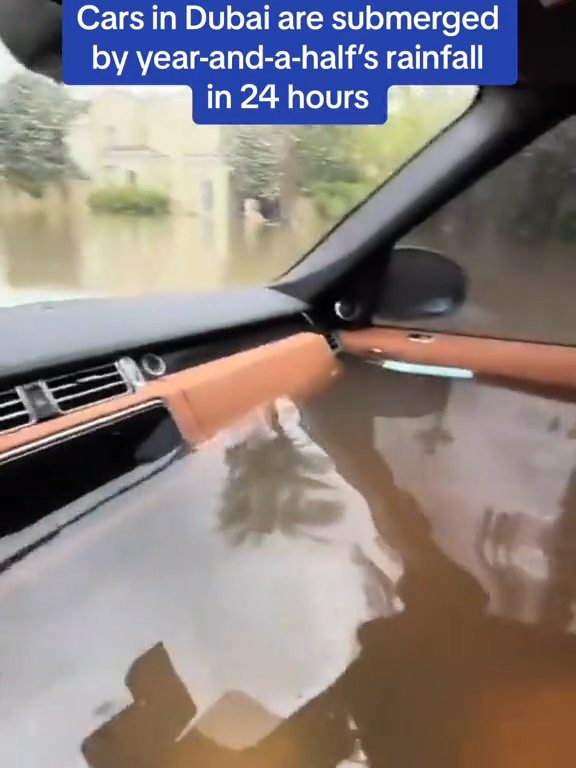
85 392
8 403
97 377
14 412
87 387
84 380
15 415
108 370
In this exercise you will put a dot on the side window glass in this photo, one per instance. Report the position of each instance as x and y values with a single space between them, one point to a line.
514 233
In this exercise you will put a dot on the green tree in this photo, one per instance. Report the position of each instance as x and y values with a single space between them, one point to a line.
547 165
35 115
254 154
338 166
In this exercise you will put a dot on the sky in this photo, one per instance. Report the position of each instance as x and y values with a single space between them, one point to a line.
9 66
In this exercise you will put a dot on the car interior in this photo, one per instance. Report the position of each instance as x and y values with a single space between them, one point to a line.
325 522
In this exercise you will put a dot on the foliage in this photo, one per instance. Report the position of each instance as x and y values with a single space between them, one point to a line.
35 115
129 199
549 167
333 199
338 166
254 154
530 199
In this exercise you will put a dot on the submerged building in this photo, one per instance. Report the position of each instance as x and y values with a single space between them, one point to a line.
145 137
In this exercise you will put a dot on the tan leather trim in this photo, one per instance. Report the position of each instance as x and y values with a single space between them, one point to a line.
538 364
204 399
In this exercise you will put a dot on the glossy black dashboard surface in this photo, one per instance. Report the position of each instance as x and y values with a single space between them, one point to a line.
46 336
53 484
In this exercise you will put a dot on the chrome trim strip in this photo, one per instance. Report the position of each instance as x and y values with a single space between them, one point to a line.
68 434
131 373
416 369
102 388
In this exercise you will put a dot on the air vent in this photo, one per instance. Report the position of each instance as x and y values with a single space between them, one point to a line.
14 412
83 388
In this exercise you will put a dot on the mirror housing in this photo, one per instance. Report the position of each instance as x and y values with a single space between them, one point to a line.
32 32
420 283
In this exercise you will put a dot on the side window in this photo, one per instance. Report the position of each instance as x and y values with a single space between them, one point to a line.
514 233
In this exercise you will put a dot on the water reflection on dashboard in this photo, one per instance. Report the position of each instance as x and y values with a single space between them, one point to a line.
251 563
383 577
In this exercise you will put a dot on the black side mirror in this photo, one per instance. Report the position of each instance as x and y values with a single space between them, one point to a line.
32 32
420 283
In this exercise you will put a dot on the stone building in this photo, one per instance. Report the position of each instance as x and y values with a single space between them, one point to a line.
146 137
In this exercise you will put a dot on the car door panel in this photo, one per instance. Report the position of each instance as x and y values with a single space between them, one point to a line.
531 363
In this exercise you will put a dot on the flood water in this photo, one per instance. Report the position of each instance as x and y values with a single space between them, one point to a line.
514 290
65 254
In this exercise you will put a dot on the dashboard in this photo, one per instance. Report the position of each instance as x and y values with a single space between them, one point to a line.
205 385
69 388
43 337
65 364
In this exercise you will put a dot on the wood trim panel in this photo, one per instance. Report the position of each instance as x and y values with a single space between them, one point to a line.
545 365
205 399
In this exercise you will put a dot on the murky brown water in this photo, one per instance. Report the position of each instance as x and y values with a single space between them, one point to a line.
515 290
64 254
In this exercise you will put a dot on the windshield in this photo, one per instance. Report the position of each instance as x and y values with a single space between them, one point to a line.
115 192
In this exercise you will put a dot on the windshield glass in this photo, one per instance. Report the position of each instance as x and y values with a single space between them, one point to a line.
115 192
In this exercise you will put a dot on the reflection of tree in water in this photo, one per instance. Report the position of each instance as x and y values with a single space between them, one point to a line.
560 597
278 485
499 534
